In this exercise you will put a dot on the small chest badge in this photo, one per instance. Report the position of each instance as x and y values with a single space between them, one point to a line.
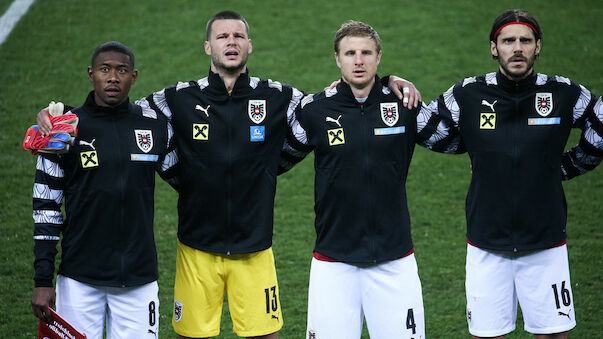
89 159
336 137
544 103
256 110
389 113
487 121
144 139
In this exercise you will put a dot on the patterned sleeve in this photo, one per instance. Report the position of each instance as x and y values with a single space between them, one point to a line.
295 147
438 125
152 105
584 157
48 219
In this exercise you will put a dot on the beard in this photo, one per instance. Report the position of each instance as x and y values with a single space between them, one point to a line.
232 68
514 74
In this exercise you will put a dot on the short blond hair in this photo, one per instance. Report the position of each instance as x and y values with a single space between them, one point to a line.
356 29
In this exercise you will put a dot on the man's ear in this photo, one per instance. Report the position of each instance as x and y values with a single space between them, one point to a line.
493 49
207 48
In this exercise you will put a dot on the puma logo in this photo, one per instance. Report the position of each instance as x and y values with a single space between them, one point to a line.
204 110
91 143
274 317
329 119
565 314
491 105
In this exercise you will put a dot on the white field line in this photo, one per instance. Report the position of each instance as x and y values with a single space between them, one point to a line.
13 14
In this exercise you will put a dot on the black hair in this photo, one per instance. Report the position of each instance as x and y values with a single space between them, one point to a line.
515 15
115 46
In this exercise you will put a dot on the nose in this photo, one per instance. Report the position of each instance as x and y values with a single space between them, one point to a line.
358 58
517 47
231 40
113 76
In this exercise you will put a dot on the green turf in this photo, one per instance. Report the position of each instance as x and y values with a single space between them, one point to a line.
433 43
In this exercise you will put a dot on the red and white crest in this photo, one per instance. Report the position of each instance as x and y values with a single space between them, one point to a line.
544 103
144 139
178 306
256 110
389 113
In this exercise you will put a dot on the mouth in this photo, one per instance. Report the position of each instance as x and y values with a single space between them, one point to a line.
517 61
231 54
359 72
112 91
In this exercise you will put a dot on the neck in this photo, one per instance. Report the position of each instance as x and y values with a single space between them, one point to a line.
229 78
361 92
516 78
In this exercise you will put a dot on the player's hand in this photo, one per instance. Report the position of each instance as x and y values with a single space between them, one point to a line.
42 299
333 84
44 116
405 90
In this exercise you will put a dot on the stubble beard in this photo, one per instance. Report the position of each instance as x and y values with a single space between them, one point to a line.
518 76
229 69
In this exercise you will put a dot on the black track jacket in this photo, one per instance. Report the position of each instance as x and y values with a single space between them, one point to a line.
107 182
515 134
362 155
231 147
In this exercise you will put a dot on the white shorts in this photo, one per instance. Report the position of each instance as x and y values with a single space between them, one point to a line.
129 312
539 280
388 295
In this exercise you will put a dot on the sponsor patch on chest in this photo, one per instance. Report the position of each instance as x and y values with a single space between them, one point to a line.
89 159
544 121
487 121
257 133
390 130
336 136
200 131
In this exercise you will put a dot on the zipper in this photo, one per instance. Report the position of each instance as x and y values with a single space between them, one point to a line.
516 121
229 120
367 175
121 198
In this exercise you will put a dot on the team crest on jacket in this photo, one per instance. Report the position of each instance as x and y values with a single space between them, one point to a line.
178 306
256 110
144 139
544 103
389 113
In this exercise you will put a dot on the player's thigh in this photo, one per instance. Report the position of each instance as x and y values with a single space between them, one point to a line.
392 299
133 312
334 301
544 291
198 293
253 294
490 290
81 305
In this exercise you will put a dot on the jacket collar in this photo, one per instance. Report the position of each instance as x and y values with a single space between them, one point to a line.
516 86
122 108
241 86
345 90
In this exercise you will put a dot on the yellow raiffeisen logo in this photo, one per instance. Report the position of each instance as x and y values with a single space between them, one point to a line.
89 159
200 131
336 136
487 121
